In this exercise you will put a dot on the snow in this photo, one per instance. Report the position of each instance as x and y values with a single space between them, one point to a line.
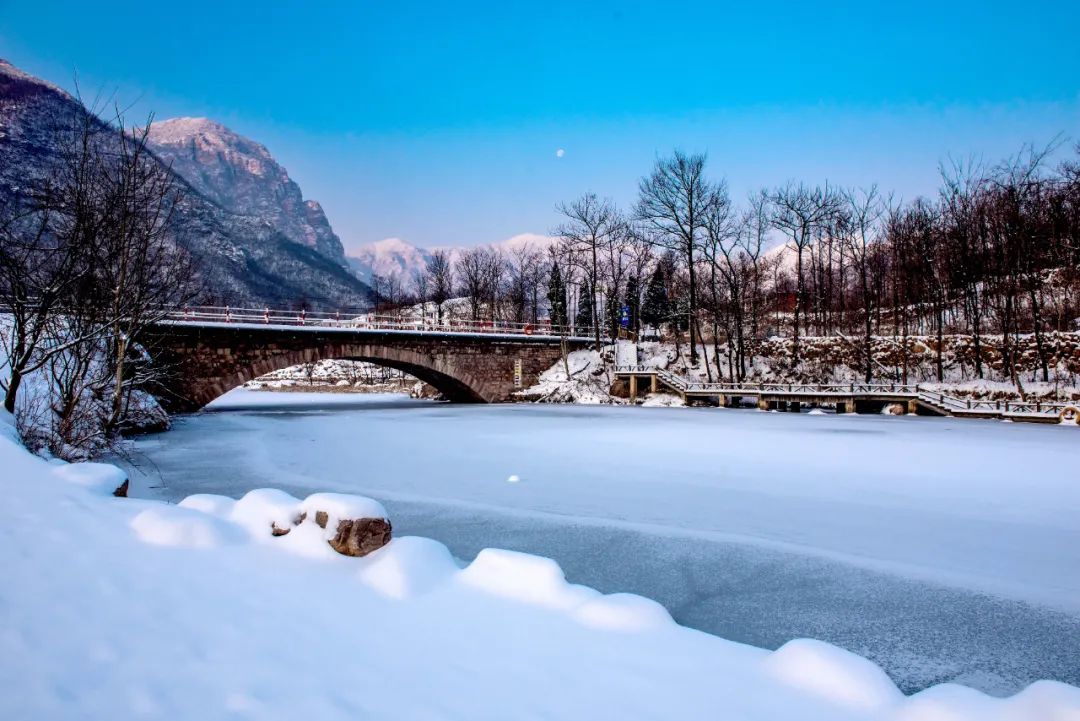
388 257
408 567
338 506
894 537
832 673
263 508
121 608
663 400
583 387
697 469
183 528
101 477
209 503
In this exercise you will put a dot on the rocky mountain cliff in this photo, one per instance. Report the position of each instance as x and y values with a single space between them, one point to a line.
259 243
242 177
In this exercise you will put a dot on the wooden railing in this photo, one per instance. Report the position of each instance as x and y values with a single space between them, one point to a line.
936 399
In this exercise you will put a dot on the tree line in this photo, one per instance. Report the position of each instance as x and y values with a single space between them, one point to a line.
996 252
88 257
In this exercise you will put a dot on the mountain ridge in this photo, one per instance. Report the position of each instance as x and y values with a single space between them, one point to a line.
240 175
395 256
243 258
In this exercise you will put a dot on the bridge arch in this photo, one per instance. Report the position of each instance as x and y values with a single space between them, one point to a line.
204 362
455 383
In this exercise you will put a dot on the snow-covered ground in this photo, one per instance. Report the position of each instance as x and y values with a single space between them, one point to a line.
119 608
943 549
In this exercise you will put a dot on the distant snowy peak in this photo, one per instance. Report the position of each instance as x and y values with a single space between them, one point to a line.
241 176
394 256
783 255
388 257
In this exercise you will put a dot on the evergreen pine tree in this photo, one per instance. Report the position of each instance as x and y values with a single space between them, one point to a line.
612 310
633 302
656 309
584 318
556 297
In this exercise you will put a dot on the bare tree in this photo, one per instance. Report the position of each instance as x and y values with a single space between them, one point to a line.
146 273
523 264
721 253
46 251
672 202
754 227
800 211
862 213
440 274
422 291
473 272
592 226
495 269
89 259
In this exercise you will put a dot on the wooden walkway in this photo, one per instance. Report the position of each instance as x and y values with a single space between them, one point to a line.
847 398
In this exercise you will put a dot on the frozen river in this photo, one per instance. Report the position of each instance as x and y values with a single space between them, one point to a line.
942 549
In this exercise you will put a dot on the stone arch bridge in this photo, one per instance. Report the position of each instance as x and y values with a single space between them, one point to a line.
199 361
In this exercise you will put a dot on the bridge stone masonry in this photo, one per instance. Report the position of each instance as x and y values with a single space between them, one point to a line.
199 361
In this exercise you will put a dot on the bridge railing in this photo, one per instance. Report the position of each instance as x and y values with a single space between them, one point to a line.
366 321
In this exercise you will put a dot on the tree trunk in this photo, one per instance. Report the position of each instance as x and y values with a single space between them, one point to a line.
1039 345
798 304
14 381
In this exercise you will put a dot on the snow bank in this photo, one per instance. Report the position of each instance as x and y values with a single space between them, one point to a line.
833 674
339 506
100 478
220 506
183 528
522 577
588 383
407 567
122 608
263 510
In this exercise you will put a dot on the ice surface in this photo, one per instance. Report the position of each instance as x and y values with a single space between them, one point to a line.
943 549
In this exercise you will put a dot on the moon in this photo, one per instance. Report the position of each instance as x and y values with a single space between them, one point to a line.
559 153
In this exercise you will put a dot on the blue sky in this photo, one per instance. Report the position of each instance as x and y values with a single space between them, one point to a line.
439 122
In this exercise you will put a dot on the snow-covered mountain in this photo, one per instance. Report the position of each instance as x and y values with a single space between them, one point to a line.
783 256
388 257
254 238
242 177
394 256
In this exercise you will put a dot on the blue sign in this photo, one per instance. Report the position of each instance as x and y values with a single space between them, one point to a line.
624 317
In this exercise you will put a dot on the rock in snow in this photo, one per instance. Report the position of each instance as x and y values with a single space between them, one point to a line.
126 608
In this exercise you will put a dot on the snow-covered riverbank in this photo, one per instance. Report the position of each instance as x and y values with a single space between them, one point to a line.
121 608
893 537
